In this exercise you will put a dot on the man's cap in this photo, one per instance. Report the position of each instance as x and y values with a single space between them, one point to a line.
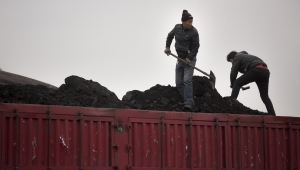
186 16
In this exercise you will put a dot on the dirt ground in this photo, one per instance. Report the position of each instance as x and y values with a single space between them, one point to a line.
80 92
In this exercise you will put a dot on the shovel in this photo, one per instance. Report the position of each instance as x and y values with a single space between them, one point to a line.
245 88
212 78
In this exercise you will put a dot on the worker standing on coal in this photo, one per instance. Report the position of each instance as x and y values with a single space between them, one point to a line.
186 45
255 70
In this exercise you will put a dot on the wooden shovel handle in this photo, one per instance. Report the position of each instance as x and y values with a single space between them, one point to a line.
189 64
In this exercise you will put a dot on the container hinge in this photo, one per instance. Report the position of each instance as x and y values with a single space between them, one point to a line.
115 167
129 167
128 147
115 146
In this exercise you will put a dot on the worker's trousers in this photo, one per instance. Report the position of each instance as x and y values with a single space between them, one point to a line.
261 78
184 80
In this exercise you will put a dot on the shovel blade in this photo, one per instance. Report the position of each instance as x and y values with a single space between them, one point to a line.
212 79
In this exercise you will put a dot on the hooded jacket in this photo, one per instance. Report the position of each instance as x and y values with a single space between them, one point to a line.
243 62
186 41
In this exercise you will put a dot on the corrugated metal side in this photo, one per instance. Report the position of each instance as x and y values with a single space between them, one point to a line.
61 138
246 143
41 137
176 144
209 141
177 141
208 145
145 141
23 141
282 143
294 133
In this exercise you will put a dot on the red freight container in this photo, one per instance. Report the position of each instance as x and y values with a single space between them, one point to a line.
40 137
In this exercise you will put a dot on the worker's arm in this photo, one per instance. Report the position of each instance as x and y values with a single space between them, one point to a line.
235 69
170 38
195 45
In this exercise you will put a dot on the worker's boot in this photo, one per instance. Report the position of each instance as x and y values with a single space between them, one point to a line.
187 106
190 108
181 103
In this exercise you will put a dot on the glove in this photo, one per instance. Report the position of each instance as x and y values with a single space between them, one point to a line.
188 61
167 51
230 86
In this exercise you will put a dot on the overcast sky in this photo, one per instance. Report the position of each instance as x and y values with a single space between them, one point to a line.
120 43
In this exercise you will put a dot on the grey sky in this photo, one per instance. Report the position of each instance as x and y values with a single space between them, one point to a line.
120 44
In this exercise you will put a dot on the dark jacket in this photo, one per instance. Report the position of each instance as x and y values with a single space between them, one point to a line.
243 62
186 41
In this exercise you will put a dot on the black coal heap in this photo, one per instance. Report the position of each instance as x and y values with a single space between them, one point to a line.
80 92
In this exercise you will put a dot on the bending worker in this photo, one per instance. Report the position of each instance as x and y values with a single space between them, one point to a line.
255 70
186 45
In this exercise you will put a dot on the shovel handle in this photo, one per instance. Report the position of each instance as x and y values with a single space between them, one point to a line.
246 88
189 64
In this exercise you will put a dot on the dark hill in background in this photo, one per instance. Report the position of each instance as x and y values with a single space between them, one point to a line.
7 78
80 92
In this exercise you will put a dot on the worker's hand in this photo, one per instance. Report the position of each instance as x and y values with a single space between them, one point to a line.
167 51
230 86
188 61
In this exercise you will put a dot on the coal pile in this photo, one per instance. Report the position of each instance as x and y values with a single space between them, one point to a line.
75 92
80 92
